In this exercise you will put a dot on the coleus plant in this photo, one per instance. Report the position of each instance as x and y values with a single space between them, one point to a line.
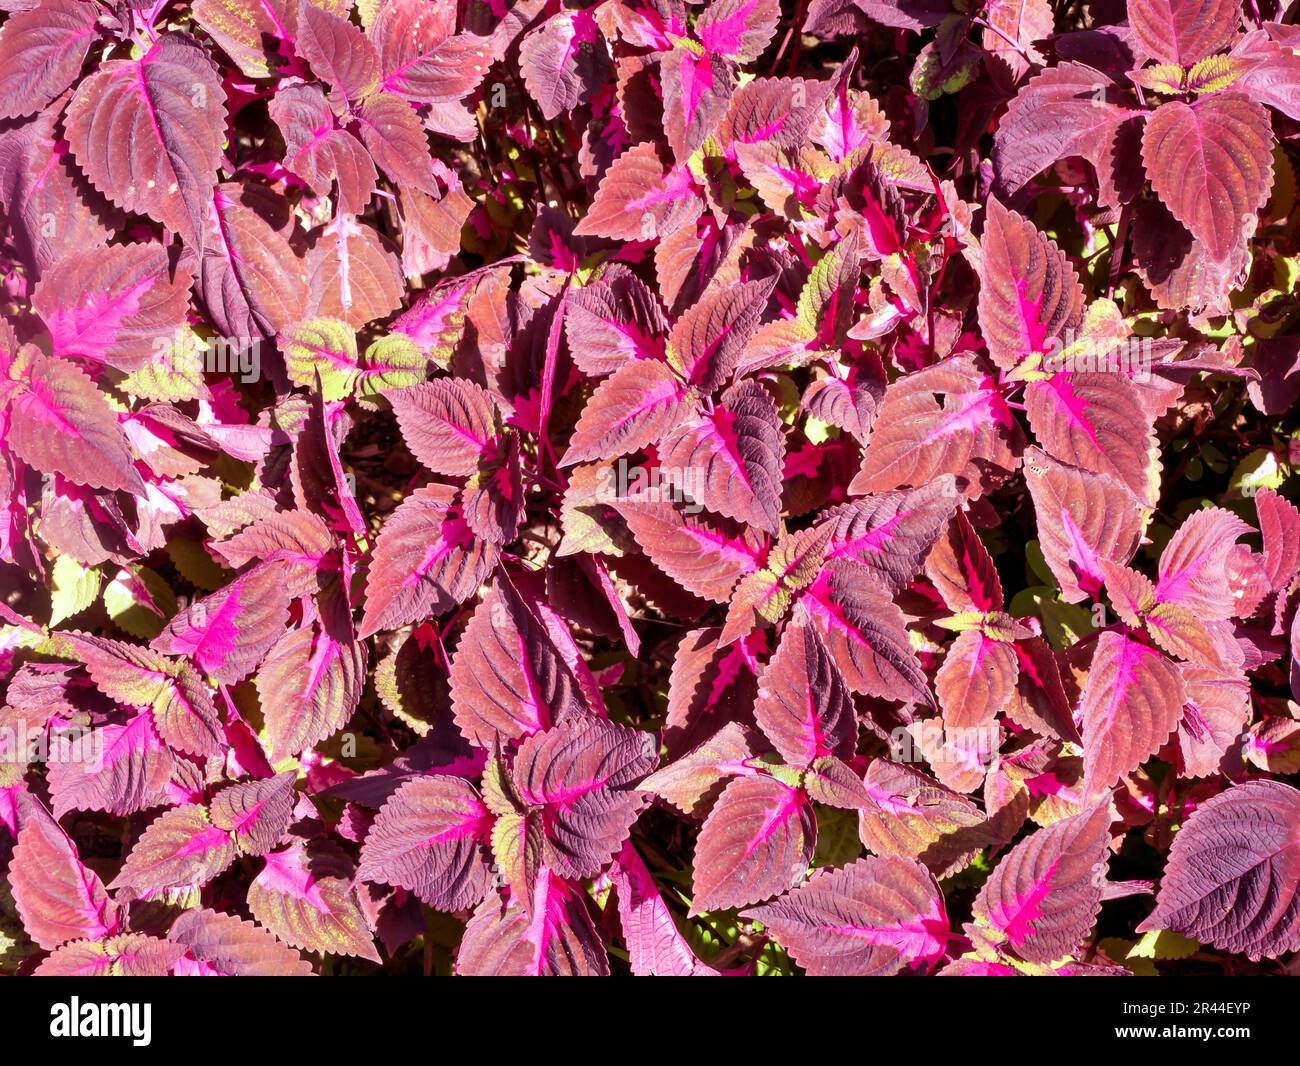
648 486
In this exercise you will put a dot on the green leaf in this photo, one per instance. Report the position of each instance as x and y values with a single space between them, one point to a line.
75 588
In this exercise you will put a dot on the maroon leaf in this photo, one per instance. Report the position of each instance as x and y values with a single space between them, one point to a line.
148 132
1183 31
1234 870
1084 520
864 632
892 532
1132 701
635 406
448 424
1070 109
337 52
869 919
1211 164
508 677
41 52
563 61
1044 896
426 561
116 308
223 944
731 458
757 842
655 947
61 424
583 772
318 152
703 555
803 705
1030 295
612 322
58 899
427 840
706 340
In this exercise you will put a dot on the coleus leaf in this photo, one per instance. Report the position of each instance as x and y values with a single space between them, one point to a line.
180 848
422 60
1183 31
1271 72
448 424
1029 294
1085 519
563 61
612 322
704 555
763 596
251 281
1233 872
706 341
309 685
426 561
255 813
1211 164
696 88
120 768
1070 109
427 839
917 438
962 570
692 780
116 308
508 677
337 52
803 705
737 29
183 711
976 680
583 773
1094 421
636 200
148 132
731 458
60 423
218 943
655 946
127 955
50 208
228 633
755 844
864 632
635 406
1193 563
392 133
891 533
1045 894
551 935
58 898
320 153
1214 717
1131 703
304 895
351 274
1279 524
911 815
41 52
871 918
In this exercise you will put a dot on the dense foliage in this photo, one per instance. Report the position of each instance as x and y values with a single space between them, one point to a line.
649 486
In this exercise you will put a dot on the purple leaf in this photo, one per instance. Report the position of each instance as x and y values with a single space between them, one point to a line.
869 919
